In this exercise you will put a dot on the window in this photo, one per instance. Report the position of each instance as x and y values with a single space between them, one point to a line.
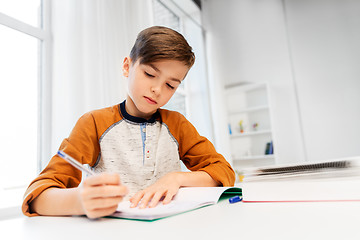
26 11
22 46
19 106
163 16
192 99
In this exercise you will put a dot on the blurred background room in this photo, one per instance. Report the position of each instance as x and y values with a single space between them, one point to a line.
274 82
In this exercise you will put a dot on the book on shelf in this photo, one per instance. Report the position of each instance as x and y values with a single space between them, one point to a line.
336 180
187 199
269 148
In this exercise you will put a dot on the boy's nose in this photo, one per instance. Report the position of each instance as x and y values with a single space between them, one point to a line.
156 89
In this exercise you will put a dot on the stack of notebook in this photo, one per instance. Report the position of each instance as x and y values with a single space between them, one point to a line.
337 180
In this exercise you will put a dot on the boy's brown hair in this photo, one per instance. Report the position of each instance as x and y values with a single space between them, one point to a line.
161 43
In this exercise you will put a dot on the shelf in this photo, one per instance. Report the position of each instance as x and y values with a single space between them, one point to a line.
256 157
250 109
245 86
249 103
253 133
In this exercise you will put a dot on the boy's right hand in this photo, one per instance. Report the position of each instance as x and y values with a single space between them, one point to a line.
100 194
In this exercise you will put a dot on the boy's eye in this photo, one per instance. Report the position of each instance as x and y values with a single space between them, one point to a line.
148 74
170 86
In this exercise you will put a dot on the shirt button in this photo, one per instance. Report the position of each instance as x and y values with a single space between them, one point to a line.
144 130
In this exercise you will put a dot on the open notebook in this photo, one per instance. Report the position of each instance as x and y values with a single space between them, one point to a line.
187 199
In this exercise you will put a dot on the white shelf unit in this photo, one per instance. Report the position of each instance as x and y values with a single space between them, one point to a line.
249 102
250 133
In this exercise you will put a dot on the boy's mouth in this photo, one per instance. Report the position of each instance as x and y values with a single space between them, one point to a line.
150 100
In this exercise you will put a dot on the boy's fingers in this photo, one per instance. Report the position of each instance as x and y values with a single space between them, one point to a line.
103 203
104 191
146 198
169 196
155 199
101 212
103 179
136 199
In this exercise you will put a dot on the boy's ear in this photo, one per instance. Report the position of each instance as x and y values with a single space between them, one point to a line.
126 66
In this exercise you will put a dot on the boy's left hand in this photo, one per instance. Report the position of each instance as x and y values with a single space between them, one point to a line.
166 187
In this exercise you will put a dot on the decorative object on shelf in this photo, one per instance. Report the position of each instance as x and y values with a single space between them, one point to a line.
269 148
240 175
248 152
255 126
241 126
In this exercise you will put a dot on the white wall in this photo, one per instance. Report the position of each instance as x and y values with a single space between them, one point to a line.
309 53
325 44
247 42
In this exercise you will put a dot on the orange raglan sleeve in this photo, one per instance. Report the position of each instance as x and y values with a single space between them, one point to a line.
82 144
197 152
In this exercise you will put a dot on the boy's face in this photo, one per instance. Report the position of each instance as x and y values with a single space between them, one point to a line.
150 86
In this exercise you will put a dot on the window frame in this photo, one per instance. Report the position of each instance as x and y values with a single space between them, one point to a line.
11 198
182 91
188 11
182 9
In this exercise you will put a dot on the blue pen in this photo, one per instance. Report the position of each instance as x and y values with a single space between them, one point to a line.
235 199
73 162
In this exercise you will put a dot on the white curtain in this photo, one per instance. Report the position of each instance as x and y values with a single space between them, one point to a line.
90 40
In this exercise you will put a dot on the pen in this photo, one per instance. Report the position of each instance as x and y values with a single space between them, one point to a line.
235 199
73 162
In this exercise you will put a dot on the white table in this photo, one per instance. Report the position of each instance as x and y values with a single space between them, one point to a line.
325 220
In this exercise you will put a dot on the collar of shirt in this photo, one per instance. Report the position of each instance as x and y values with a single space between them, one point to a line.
131 118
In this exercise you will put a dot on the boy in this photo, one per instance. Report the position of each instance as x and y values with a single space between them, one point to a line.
141 143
